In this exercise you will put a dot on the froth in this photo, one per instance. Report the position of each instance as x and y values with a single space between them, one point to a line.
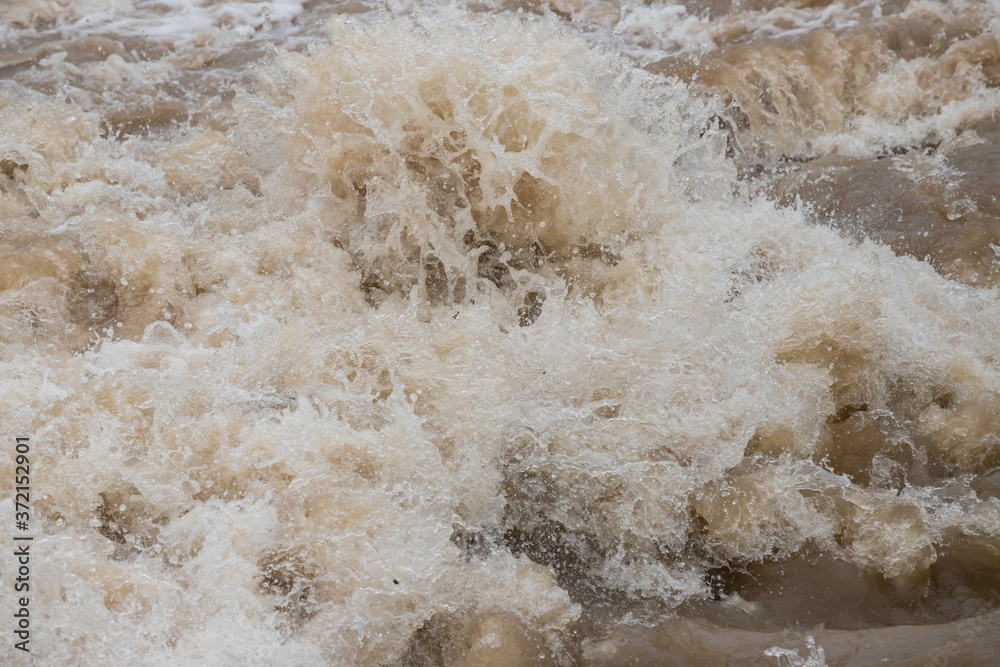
462 342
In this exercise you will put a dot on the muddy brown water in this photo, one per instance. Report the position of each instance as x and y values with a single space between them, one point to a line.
495 334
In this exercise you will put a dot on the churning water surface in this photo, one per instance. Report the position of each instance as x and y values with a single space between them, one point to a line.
579 333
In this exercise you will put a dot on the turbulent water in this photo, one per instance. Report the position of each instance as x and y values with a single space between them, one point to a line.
579 333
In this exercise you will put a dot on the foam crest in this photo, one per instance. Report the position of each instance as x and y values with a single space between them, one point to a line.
457 340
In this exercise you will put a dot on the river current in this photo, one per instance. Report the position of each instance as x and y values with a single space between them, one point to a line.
505 333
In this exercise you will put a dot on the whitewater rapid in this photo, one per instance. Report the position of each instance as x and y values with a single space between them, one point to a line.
492 335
